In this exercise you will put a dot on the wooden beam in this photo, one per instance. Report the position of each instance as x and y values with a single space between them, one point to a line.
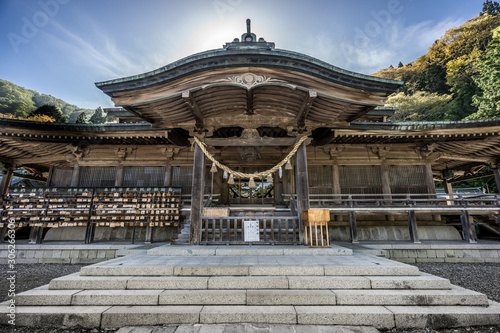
176 139
469 177
44 159
7 175
306 107
188 99
237 142
31 177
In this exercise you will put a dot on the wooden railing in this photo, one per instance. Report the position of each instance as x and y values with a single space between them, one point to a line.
230 230
430 202
463 205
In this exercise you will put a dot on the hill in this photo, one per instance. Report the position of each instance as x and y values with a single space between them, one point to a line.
20 102
441 84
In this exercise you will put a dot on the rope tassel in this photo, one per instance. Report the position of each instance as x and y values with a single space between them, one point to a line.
251 184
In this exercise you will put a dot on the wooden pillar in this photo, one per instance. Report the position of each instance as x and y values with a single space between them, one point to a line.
386 183
36 235
429 179
336 180
336 189
278 189
287 181
224 195
352 227
197 193
448 190
75 177
120 172
148 238
431 187
496 172
412 225
7 175
301 185
167 181
468 228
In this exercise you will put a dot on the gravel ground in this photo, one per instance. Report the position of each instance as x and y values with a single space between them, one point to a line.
484 278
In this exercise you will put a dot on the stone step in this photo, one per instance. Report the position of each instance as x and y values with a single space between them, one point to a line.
245 270
455 296
381 317
79 282
257 250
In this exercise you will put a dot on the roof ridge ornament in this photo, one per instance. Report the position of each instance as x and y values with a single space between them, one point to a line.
249 41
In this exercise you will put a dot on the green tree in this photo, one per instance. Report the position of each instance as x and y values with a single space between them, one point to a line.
421 106
81 119
490 8
488 102
51 111
99 117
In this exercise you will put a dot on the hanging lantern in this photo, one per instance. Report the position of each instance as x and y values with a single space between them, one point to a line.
270 178
231 179
288 165
213 169
251 184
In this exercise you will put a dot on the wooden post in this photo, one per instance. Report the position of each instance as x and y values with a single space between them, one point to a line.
7 175
149 235
448 190
496 172
352 227
337 191
278 189
167 181
386 183
302 185
120 172
75 178
468 228
336 181
36 235
431 187
197 194
412 225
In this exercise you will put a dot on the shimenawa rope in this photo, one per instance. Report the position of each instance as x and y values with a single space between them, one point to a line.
203 147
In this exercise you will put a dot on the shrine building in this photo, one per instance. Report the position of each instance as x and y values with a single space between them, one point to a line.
248 132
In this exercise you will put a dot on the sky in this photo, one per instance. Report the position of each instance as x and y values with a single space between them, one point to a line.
62 47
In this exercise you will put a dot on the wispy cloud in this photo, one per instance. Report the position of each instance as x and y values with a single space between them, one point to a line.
394 43
102 55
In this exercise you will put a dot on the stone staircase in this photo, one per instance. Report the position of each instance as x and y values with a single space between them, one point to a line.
273 285
183 236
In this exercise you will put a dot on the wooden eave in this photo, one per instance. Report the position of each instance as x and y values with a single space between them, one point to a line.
227 83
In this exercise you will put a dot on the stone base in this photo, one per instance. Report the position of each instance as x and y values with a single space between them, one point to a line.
160 234
395 233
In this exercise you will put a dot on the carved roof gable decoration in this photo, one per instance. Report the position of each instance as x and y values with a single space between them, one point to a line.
250 80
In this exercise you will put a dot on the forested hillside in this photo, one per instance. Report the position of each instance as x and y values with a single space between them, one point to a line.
454 80
20 102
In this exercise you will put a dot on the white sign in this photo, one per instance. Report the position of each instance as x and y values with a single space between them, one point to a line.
252 233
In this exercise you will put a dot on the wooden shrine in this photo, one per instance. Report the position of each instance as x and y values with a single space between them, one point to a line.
215 127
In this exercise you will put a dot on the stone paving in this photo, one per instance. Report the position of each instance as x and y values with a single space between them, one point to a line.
247 328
